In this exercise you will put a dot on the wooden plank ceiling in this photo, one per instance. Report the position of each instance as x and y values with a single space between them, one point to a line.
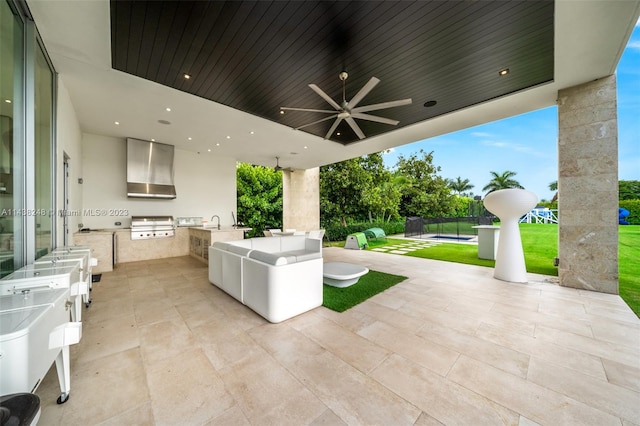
257 56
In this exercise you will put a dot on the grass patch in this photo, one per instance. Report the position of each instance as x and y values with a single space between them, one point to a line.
540 245
539 242
370 284
451 252
629 265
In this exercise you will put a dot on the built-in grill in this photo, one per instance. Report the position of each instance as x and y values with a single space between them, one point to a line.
144 227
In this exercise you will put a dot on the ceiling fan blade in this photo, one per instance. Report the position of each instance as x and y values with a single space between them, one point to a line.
333 128
355 127
374 118
319 121
363 92
307 110
326 97
382 105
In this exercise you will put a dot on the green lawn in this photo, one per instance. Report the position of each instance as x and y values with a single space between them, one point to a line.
540 244
629 265
374 282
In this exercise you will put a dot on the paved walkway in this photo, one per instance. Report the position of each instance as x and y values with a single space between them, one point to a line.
450 345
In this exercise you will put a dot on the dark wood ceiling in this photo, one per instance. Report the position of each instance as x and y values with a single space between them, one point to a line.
256 56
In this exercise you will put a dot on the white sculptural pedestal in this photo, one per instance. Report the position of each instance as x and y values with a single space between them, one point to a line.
509 205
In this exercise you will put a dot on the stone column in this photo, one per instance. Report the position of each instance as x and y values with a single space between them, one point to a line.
588 186
301 199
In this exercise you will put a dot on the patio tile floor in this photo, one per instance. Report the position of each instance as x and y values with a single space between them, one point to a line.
450 345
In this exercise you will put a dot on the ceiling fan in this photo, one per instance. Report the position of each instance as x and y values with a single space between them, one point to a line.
349 110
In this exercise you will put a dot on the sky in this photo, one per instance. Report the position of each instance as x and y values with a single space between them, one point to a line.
527 144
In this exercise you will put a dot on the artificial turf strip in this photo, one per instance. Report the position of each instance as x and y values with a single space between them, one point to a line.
370 284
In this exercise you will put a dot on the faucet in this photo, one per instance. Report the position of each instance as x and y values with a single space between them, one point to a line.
215 215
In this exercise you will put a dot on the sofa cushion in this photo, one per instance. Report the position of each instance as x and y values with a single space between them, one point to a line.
271 258
239 250
241 243
301 255
221 246
266 244
293 242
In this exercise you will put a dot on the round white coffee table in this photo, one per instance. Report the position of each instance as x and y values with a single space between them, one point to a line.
342 274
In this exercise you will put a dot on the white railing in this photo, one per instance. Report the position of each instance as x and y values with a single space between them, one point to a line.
540 216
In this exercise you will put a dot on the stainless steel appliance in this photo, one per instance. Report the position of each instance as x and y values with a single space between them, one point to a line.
149 169
145 227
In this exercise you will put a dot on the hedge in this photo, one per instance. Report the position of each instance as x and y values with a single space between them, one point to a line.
634 209
338 232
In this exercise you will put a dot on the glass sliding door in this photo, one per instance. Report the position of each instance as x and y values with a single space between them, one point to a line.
12 143
43 140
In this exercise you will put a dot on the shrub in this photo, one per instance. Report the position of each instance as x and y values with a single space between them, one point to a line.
634 210
337 232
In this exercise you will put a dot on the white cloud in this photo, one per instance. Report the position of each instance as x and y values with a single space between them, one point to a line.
634 45
481 134
513 147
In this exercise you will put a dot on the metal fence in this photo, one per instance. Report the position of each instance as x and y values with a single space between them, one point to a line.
455 228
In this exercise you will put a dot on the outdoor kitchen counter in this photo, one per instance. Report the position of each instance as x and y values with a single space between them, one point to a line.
200 238
101 243
128 250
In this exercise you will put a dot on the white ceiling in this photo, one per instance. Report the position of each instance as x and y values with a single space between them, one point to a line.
589 39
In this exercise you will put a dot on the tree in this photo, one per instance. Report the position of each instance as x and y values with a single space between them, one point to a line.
502 181
426 193
629 189
382 197
459 185
553 186
259 192
343 187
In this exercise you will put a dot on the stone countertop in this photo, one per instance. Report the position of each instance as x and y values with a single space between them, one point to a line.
97 231
222 228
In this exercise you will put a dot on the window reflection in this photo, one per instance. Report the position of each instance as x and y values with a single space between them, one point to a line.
11 145
43 150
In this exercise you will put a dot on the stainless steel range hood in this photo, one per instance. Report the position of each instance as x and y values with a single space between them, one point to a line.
149 169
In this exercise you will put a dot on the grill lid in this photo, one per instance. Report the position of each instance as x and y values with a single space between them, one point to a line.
151 221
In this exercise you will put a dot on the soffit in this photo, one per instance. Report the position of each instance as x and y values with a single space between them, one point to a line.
257 56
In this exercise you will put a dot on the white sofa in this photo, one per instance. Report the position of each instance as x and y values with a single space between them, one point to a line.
277 277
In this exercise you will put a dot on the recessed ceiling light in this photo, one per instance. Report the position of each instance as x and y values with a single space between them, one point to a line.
117 123
305 147
430 103
504 71
228 137
282 112
252 132
208 150
338 134
8 101
168 109
186 76
153 140
190 139
218 144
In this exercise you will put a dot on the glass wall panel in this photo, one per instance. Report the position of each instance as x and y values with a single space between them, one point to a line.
11 140
44 208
